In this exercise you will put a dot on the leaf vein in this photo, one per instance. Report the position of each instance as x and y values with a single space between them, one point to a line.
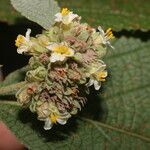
135 135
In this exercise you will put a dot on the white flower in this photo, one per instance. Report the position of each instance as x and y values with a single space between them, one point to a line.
23 42
54 118
98 75
60 51
94 82
105 37
65 16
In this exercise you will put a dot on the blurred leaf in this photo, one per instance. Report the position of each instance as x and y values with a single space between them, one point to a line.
37 11
11 89
125 121
15 77
118 14
7 12
12 82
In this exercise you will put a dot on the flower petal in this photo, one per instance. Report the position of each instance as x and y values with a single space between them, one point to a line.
71 52
103 67
48 124
108 43
66 19
51 46
61 57
28 35
56 57
22 49
58 17
61 121
91 82
97 85
101 30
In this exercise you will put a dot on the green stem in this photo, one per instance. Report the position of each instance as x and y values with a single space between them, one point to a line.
11 88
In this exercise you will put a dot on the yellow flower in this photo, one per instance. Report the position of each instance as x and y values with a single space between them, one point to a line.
109 33
20 40
60 51
98 75
102 75
23 42
105 37
66 16
54 118
65 11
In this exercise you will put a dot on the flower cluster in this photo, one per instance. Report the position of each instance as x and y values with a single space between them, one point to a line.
65 62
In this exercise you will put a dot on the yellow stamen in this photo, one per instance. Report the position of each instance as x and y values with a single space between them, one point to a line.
20 40
108 30
65 11
53 118
109 33
62 50
110 36
102 75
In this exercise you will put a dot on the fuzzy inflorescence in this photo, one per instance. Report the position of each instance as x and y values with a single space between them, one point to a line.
66 60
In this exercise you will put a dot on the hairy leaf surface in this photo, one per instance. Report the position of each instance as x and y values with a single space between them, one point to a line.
41 12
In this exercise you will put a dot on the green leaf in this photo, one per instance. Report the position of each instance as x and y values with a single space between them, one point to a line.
37 11
121 120
15 77
12 82
7 13
11 89
117 14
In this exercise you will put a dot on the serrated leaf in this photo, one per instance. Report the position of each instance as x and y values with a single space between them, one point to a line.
41 12
124 123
